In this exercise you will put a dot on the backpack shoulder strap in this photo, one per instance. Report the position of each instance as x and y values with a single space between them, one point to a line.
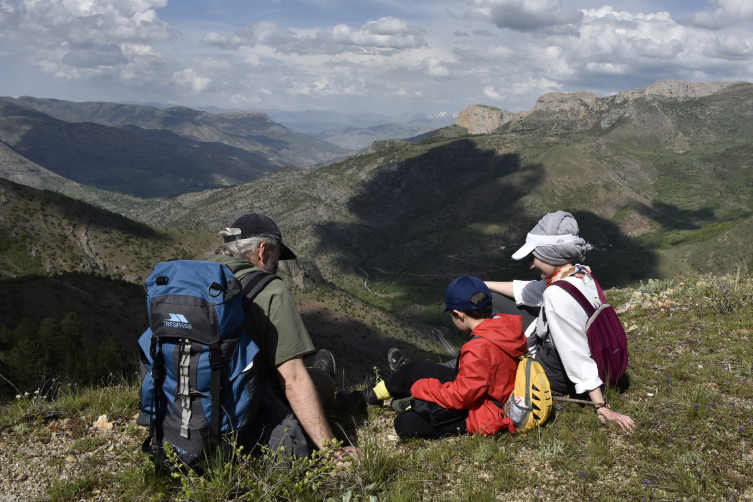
577 295
254 284
602 296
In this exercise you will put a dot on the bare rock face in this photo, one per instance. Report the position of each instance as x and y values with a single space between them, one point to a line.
580 101
576 110
676 89
583 109
302 273
483 119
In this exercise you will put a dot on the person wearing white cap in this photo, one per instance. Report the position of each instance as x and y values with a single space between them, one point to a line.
554 251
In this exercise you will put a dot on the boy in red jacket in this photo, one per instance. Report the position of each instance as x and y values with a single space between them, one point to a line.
469 398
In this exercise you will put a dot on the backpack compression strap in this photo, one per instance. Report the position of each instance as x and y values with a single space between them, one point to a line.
215 362
155 423
252 286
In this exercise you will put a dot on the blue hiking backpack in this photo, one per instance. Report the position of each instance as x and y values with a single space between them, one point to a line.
198 382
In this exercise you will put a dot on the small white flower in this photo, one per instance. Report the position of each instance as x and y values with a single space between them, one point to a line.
18 396
26 393
700 366
36 391
649 394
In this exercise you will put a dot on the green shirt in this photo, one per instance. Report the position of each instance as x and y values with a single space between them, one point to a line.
272 320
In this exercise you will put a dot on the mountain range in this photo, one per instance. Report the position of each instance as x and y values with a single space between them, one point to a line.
658 179
250 131
356 132
146 152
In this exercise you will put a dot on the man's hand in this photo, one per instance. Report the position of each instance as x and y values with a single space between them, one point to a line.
345 455
301 394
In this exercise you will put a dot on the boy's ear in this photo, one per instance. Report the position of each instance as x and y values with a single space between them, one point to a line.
459 314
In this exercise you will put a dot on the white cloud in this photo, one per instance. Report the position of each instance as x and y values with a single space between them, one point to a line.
607 51
107 56
191 79
491 93
384 35
219 40
125 49
85 22
75 39
724 13
433 67
731 47
525 15
536 85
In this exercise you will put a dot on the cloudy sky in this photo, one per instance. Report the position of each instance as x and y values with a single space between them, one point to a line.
384 56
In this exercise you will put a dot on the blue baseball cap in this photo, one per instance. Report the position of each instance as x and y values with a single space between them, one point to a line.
460 291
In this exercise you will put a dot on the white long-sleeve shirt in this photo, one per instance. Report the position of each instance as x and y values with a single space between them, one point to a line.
566 321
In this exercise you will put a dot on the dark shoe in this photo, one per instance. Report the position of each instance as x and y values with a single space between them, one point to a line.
358 398
325 361
400 405
396 358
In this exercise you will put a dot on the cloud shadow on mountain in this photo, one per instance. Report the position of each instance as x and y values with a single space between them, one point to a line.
415 217
411 211
677 218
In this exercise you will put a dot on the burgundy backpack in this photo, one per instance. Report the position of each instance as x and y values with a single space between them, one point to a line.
606 336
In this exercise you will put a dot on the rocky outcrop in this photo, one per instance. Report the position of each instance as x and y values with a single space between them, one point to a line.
559 111
582 109
676 89
580 101
302 273
483 119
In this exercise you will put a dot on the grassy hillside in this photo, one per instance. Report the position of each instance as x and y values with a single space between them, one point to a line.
415 215
18 169
44 232
61 256
249 131
691 395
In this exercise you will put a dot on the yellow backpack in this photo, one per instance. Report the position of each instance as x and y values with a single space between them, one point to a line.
531 401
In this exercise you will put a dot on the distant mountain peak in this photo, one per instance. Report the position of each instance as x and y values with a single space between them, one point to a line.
678 89
243 115
483 119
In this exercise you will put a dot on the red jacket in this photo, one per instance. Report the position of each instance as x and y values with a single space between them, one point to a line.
486 367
